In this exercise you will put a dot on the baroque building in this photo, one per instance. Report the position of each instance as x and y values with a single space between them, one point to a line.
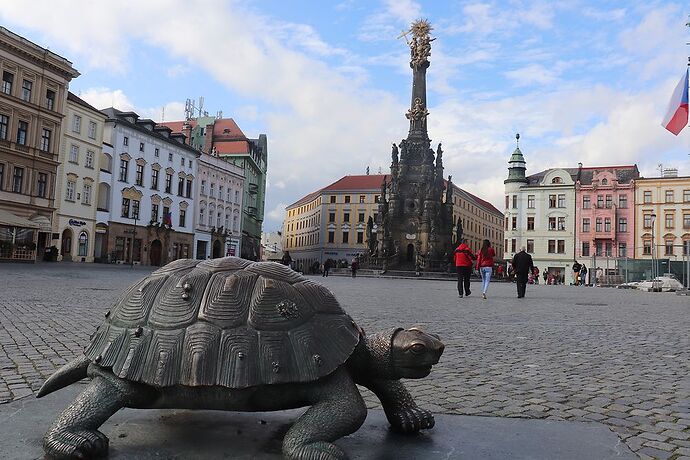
33 96
415 217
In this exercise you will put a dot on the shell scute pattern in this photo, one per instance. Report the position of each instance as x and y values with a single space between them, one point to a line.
237 358
133 308
175 265
320 298
276 271
277 306
171 308
200 355
225 263
227 298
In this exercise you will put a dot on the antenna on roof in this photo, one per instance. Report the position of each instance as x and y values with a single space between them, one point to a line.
367 170
219 114
163 114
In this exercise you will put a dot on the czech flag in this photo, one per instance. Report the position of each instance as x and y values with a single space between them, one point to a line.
677 116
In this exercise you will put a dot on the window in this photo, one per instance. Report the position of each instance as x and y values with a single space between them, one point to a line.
669 196
609 201
347 198
76 124
515 201
586 202
141 146
22 129
4 124
188 193
513 244
607 224
154 213
167 217
50 99
124 166
139 180
561 201
600 201
585 224
507 201
331 236
686 195
604 182
598 225
669 218
135 209
585 249
69 190
514 223
360 217
552 223
622 224
608 247
598 248
530 223
346 217
376 198
170 156
668 247
360 237
557 180
74 154
220 192
346 237
168 183
561 246
332 201
647 196
180 186
26 90
331 217
530 201
561 223
41 189
125 141
506 226
18 180
157 152
92 129
183 215
622 250
45 140
227 193
686 217
362 198
530 246
647 221
237 197
212 191
686 247
154 179
623 201
647 247
203 187
7 80
552 201
201 216
552 246
86 194
182 162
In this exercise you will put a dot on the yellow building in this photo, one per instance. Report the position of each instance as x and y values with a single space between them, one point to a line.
662 216
331 223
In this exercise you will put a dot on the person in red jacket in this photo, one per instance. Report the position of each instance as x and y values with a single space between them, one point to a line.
485 264
463 264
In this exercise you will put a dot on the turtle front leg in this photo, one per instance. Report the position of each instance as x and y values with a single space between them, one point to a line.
401 410
338 410
74 434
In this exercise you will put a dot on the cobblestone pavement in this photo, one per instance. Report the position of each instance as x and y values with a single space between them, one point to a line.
565 353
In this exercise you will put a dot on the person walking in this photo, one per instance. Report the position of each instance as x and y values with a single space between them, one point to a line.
354 266
463 265
583 275
523 265
485 265
326 267
286 259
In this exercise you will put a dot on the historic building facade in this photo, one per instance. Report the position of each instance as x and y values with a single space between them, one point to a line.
33 96
606 213
77 181
479 220
223 138
540 215
146 202
662 208
219 190
415 217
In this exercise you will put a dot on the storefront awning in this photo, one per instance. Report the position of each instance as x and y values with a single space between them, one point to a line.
43 223
11 220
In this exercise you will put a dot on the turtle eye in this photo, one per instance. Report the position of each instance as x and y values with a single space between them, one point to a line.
417 348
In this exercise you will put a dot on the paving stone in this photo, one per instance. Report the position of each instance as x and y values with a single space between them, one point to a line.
654 453
660 445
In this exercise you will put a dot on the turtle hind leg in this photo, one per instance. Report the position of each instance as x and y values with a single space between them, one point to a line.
74 434
338 410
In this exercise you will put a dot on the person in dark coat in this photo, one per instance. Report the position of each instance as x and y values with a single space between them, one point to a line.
286 259
523 265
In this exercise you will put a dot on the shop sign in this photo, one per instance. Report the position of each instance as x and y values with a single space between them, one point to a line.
76 223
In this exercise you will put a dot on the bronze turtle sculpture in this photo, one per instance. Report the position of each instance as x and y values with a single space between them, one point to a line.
231 334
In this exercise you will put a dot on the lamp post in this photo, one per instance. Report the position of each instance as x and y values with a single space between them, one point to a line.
653 219
134 237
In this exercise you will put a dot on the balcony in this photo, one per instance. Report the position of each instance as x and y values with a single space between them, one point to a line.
253 189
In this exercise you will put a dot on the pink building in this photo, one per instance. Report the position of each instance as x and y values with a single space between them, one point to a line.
605 207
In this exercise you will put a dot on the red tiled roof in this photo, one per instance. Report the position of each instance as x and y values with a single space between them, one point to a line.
227 127
483 203
231 148
364 182
176 126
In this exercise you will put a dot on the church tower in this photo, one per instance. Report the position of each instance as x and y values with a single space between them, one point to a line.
416 217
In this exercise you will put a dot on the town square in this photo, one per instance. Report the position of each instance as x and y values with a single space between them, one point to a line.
399 229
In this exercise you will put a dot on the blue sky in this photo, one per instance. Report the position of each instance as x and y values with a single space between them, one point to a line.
329 83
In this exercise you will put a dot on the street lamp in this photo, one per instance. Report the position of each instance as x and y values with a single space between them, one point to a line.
134 237
654 268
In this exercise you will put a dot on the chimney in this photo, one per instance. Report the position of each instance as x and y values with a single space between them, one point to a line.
208 139
187 131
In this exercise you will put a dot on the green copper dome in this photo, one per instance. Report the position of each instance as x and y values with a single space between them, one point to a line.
516 166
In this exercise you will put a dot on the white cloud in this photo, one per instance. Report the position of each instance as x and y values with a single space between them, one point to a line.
389 21
177 70
102 98
532 74
277 213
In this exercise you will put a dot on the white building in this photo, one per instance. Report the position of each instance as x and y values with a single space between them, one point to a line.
271 246
218 223
146 202
77 181
540 215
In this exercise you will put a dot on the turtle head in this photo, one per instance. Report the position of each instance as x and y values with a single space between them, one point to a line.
413 352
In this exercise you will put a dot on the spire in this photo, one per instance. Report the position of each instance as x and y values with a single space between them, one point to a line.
516 165
420 50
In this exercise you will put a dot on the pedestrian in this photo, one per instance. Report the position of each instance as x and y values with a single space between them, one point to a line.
354 266
523 265
463 265
326 267
499 271
576 272
546 276
485 265
535 272
286 259
583 275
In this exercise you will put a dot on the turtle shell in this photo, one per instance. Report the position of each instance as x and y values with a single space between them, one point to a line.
228 322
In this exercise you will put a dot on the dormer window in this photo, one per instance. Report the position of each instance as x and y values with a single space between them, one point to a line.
604 182
557 180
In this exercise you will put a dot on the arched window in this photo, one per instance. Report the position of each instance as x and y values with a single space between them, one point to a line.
557 180
83 244
604 181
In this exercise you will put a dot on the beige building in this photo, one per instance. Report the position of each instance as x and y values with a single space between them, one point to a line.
33 95
480 220
662 217
77 181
